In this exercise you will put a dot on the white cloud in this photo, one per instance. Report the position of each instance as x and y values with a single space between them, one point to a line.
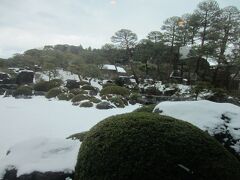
26 24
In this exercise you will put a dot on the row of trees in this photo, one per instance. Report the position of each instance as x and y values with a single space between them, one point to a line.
211 32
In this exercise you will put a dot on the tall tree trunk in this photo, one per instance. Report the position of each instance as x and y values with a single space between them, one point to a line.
202 44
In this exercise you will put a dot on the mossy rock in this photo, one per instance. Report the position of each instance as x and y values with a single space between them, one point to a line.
54 92
116 90
146 108
80 97
86 104
23 91
77 91
146 146
65 96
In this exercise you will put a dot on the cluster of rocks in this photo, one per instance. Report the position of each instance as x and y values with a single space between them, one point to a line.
9 83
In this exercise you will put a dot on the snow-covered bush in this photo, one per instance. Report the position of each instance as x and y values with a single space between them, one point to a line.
148 146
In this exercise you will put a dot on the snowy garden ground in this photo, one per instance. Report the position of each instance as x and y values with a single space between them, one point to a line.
26 119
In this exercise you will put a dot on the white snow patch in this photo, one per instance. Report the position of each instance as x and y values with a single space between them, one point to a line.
113 68
206 115
42 155
23 119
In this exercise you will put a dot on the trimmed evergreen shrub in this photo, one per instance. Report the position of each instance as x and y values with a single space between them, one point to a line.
65 96
82 83
117 90
117 101
23 91
80 97
146 146
77 91
80 136
54 92
146 108
47 85
94 99
89 87
86 104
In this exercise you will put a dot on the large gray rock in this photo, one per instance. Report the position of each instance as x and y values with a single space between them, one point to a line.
25 77
72 84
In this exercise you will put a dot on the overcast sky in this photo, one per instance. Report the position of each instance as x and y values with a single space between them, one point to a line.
26 24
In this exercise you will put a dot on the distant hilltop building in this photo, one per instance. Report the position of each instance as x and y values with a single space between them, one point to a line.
111 71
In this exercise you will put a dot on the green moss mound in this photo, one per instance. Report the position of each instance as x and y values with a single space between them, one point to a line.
80 97
146 146
77 91
117 101
146 108
23 91
94 100
47 85
89 87
86 104
116 90
80 136
65 96
54 92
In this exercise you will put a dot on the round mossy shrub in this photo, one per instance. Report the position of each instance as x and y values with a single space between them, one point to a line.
146 108
146 146
80 136
54 92
77 91
86 104
117 90
117 101
88 87
82 83
23 91
79 97
65 96
47 85
94 100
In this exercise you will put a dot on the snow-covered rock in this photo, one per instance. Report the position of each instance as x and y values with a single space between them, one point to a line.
215 118
41 155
